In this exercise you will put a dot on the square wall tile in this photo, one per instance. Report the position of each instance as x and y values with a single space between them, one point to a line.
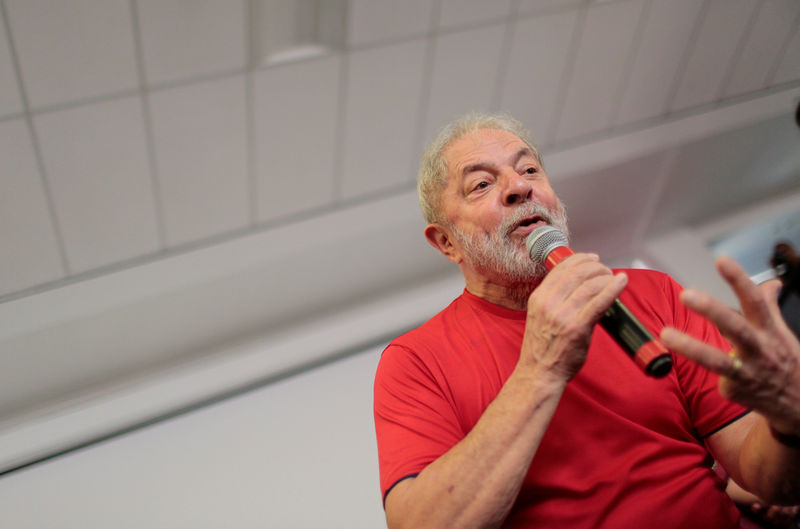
96 164
296 110
535 69
200 135
465 74
789 66
460 13
666 35
73 50
384 86
713 53
10 100
775 22
384 20
606 45
27 237
535 7
188 38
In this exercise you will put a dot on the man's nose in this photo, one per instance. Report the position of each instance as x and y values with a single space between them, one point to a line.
518 189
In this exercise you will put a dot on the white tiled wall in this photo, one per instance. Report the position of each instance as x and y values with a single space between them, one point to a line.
184 39
26 232
378 135
295 119
95 158
73 50
199 132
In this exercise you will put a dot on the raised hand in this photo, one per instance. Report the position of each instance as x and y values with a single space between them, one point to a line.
762 371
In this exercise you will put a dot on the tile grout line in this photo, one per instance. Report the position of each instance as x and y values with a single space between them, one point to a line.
250 120
627 71
36 145
783 51
566 77
744 38
147 117
680 72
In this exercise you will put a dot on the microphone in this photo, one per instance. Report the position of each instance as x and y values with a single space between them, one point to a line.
547 245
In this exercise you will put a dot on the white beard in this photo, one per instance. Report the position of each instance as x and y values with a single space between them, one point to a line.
504 260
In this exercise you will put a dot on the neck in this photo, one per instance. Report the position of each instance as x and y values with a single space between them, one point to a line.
510 295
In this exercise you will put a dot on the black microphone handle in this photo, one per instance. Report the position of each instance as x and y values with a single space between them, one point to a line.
631 335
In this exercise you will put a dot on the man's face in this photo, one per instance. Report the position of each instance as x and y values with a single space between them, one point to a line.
497 193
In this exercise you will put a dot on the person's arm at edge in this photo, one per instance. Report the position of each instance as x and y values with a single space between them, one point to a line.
475 483
765 376
756 461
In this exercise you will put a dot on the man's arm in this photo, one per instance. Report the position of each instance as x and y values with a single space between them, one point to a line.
762 372
476 482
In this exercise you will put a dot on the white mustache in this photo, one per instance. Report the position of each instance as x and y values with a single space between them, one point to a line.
525 212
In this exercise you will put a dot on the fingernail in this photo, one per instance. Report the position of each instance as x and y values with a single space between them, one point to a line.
622 278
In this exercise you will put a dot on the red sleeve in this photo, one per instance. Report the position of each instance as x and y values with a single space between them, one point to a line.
708 410
415 422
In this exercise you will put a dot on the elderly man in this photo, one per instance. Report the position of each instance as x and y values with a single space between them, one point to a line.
510 408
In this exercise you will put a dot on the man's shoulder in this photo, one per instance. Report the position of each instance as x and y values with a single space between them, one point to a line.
647 278
430 329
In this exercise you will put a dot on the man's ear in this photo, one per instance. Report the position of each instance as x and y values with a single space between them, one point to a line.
440 238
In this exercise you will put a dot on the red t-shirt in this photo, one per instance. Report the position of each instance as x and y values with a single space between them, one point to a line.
623 450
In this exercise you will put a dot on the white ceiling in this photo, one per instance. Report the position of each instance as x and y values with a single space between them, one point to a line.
159 198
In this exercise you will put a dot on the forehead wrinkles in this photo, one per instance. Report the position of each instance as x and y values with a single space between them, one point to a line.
485 147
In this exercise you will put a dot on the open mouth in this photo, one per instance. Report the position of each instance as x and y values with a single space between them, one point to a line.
530 221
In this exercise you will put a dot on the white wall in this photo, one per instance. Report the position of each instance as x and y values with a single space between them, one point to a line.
299 453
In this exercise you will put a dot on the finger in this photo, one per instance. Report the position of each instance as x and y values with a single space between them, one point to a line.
770 290
731 324
569 275
751 299
598 304
706 355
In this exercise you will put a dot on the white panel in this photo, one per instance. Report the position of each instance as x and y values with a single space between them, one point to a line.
713 52
531 7
73 50
300 453
666 35
382 20
749 164
30 251
187 38
789 68
201 158
535 68
383 91
688 259
620 196
455 13
296 109
465 72
776 19
605 48
10 101
96 164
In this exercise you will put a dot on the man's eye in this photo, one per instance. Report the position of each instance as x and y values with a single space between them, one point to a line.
482 185
530 170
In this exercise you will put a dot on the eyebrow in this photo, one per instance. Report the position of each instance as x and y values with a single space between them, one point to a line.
488 166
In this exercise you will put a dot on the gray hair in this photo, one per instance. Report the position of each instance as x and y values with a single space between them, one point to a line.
432 176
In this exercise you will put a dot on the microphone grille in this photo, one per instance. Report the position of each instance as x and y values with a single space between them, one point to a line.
544 240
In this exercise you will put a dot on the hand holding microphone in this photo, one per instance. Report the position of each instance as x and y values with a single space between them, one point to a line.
547 245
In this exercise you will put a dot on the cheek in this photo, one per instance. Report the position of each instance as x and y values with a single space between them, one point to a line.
548 199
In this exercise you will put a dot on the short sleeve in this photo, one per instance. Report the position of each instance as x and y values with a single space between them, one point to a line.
708 410
415 421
